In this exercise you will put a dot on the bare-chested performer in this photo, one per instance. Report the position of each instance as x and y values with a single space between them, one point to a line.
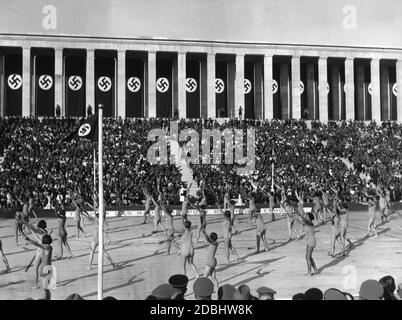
260 230
335 232
38 232
210 269
170 230
371 203
184 205
227 236
19 223
202 226
157 213
79 212
44 255
187 248
317 208
300 207
326 203
95 244
310 242
148 203
271 201
251 205
60 213
288 209
3 257
383 203
343 213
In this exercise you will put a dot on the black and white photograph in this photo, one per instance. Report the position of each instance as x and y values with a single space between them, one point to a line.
237 150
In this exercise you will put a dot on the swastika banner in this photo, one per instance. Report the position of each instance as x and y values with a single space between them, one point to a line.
164 88
193 88
135 87
105 89
44 85
75 85
13 85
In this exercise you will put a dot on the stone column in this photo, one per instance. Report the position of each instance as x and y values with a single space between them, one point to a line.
90 81
211 85
58 81
375 84
323 89
239 86
151 87
181 84
350 89
26 83
360 94
399 85
296 97
121 84
268 95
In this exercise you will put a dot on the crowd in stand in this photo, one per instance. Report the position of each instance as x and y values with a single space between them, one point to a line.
344 154
177 286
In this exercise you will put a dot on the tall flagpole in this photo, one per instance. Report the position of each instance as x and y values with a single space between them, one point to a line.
100 199
93 196
273 170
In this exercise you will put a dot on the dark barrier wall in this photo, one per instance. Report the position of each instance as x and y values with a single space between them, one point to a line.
192 94
44 85
13 86
163 88
221 98
135 87
75 72
249 97
105 88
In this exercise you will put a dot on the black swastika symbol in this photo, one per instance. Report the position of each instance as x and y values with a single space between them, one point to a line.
219 85
191 84
162 84
45 82
75 82
134 84
104 83
247 86
14 81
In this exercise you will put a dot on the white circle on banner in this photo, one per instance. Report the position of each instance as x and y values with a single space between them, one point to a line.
104 84
327 88
75 83
84 130
395 89
247 86
45 82
301 87
219 85
191 85
14 81
370 88
162 85
275 86
345 87
134 84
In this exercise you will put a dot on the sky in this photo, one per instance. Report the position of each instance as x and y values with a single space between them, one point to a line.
367 23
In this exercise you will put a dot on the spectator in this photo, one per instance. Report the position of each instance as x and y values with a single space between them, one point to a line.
388 283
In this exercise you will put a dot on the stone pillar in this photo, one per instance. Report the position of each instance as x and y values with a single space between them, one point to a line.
258 90
350 89
26 87
211 85
239 86
58 81
268 95
399 85
284 88
121 84
181 84
385 93
335 90
311 92
323 89
375 84
2 86
90 81
296 97
151 88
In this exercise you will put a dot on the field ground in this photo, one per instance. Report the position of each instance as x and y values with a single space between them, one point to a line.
142 263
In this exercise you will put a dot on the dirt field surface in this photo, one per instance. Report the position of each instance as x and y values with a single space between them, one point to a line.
142 263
